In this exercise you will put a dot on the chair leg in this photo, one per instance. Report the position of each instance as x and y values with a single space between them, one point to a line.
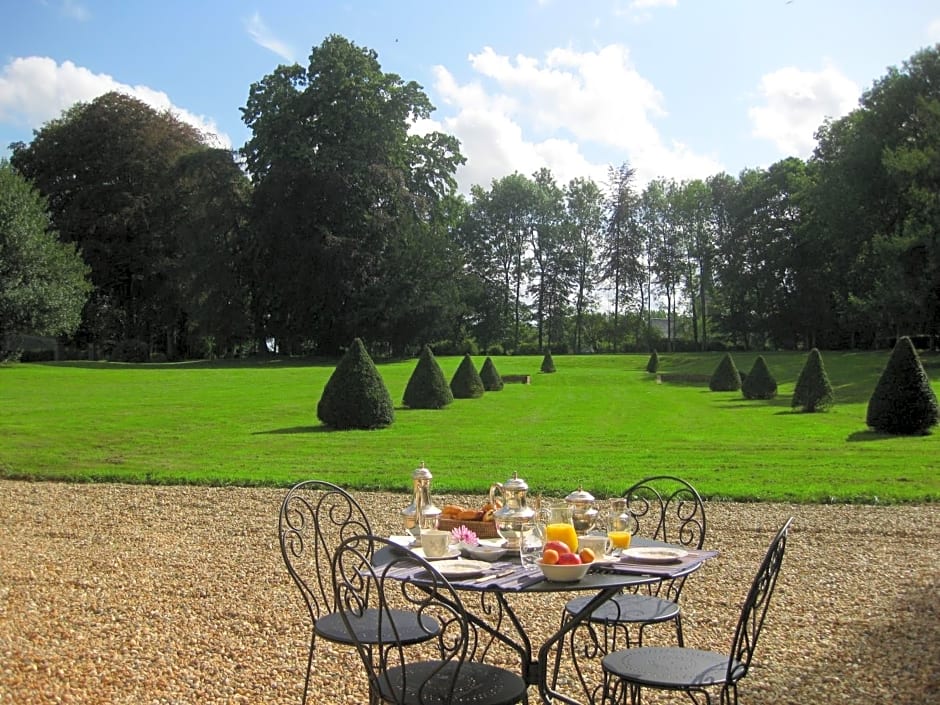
313 644
679 638
559 649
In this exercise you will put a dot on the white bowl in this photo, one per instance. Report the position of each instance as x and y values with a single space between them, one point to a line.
482 552
564 573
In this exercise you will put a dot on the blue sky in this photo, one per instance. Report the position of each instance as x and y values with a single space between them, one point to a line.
677 88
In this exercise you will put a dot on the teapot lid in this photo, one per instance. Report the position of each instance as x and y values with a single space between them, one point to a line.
421 473
579 495
515 483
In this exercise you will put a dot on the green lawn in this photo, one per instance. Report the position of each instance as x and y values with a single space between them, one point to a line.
600 420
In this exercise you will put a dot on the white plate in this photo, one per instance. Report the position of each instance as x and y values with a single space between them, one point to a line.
461 568
452 552
653 555
493 543
483 552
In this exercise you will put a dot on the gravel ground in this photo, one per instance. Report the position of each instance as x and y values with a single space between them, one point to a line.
127 594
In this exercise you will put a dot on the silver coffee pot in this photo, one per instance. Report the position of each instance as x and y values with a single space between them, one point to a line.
421 513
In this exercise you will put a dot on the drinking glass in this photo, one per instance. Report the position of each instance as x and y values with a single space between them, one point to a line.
559 526
530 549
619 526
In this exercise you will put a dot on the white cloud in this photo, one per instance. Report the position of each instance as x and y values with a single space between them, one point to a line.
795 104
933 30
522 113
263 36
36 89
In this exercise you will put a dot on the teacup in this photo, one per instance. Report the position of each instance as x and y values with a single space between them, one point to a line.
435 542
596 542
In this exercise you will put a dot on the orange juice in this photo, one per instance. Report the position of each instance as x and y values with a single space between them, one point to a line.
620 539
562 532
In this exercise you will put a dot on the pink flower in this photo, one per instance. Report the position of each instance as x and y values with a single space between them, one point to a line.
462 534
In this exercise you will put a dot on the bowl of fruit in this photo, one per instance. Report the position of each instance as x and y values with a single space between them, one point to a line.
562 565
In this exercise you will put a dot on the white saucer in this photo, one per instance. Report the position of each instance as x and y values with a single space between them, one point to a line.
653 554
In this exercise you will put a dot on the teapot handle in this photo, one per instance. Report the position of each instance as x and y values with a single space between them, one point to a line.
496 489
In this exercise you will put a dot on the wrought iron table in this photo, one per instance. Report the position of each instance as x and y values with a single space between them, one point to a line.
495 611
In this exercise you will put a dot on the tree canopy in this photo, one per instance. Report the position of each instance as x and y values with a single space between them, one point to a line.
342 219
43 284
351 208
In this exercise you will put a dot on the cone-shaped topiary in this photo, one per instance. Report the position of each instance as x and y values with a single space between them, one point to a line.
653 365
427 388
548 364
725 378
466 382
759 383
492 382
813 391
903 402
355 395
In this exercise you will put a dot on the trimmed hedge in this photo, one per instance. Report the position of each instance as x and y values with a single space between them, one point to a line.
725 378
466 382
548 364
492 382
355 396
427 388
813 392
903 402
759 383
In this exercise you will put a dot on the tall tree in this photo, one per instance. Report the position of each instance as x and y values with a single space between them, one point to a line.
585 216
342 192
621 254
105 168
217 252
43 284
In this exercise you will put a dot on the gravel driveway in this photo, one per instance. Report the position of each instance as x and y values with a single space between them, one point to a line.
135 594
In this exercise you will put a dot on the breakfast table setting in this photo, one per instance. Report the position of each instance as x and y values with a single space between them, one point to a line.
505 548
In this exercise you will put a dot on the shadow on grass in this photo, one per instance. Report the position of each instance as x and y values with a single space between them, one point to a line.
295 429
867 435
259 362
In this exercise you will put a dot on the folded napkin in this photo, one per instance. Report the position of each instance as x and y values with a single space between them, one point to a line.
517 580
666 570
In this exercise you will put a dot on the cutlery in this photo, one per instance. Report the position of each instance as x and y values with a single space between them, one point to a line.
494 576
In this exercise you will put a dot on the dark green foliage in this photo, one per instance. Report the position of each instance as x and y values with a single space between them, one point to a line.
759 383
492 382
427 388
355 396
43 284
813 391
725 378
548 364
466 382
130 351
653 365
903 402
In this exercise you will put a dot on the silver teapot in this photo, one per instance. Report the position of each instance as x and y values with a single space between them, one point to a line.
583 511
514 519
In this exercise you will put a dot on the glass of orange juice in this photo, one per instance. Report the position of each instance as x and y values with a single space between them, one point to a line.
559 527
619 525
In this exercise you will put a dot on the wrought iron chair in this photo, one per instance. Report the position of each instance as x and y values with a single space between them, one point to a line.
664 508
694 671
438 672
314 519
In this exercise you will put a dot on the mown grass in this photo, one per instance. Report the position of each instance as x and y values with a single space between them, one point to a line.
600 421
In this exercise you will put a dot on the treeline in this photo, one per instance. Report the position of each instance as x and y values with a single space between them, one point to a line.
337 221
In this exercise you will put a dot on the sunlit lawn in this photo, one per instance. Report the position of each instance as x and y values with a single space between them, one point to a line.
600 421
